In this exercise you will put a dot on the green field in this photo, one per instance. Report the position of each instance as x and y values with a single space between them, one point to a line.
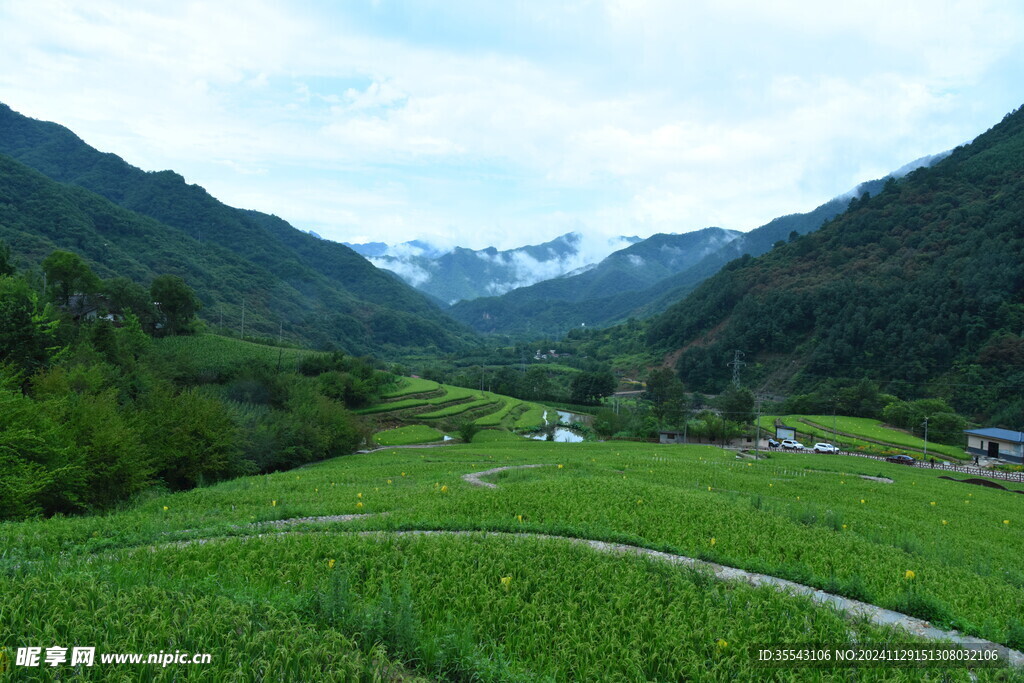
411 385
318 602
865 428
210 354
409 434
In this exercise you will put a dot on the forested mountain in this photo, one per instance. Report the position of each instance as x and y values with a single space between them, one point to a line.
920 287
647 277
289 281
464 274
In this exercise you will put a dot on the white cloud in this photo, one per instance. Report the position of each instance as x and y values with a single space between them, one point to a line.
681 115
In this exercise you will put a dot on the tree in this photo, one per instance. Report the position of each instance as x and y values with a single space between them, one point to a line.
6 267
665 391
590 387
26 329
176 302
68 274
736 404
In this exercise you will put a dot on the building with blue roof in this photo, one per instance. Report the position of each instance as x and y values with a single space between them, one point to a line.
996 443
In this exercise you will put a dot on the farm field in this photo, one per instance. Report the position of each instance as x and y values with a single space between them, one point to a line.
353 596
820 426
452 404
411 434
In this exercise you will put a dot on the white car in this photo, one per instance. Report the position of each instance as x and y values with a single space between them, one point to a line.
825 448
792 445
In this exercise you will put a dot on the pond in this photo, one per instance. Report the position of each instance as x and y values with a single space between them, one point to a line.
560 434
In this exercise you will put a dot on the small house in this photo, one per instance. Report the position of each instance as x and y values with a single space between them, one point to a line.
996 443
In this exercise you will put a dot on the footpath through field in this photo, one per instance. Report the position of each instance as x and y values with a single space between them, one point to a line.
853 608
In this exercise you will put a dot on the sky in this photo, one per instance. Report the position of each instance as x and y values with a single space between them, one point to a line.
509 123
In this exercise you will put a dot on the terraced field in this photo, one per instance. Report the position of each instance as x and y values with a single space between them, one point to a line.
396 564
418 401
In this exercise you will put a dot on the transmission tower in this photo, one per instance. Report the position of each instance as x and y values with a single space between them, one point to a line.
736 364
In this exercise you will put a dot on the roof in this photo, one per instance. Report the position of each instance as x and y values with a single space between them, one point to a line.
996 433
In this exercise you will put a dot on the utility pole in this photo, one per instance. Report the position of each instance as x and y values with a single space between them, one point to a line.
926 438
736 363
757 439
280 330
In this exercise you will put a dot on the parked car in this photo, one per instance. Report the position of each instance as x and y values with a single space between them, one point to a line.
792 445
772 443
825 448
901 459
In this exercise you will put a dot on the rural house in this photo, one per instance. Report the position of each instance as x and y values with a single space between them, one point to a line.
996 443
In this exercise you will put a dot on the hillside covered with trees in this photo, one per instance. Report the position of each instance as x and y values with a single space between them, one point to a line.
919 288
106 397
56 192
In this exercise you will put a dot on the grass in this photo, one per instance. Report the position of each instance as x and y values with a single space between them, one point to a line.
312 602
411 385
458 409
865 428
410 434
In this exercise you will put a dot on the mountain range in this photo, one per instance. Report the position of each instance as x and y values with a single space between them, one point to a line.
645 278
453 275
57 192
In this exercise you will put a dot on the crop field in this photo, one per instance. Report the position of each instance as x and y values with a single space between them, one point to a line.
409 434
862 427
244 571
504 412
210 353
411 385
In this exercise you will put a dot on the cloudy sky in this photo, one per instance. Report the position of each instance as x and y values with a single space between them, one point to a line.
505 123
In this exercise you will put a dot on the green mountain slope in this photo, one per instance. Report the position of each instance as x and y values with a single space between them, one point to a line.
596 296
319 291
920 287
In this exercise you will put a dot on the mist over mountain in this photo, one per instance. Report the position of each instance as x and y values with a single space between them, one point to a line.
648 276
461 274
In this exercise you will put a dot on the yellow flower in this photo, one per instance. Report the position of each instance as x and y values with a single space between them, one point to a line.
359 504
444 489
844 526
359 495
862 501
709 488
944 522
909 574
403 474
1006 521
316 490
166 508
506 582
273 503
713 541
519 518
560 466
640 501
330 564
389 481
933 502
722 644
770 485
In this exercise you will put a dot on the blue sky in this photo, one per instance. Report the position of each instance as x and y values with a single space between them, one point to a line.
506 123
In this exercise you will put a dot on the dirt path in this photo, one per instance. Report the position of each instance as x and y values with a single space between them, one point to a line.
852 608
473 478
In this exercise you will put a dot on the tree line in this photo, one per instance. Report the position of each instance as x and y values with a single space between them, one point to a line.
98 407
